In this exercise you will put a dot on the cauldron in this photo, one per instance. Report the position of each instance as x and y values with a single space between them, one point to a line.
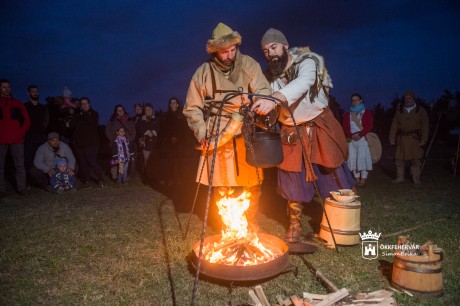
266 147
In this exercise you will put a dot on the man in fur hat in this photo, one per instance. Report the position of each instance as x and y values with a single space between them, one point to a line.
409 132
225 71
300 81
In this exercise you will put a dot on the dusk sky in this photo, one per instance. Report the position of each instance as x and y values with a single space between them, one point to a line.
124 52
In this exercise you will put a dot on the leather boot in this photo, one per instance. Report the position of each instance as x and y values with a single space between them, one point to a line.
253 205
295 226
415 171
399 172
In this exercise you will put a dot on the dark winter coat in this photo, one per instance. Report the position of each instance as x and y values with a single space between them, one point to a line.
39 119
85 129
148 124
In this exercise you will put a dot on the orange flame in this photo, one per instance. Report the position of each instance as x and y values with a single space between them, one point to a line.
238 245
232 211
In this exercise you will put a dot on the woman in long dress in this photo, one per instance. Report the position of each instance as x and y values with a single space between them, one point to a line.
356 124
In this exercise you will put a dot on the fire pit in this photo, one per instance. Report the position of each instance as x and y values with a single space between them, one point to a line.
240 254
244 272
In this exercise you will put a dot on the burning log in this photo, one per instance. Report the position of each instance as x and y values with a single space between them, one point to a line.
238 245
238 253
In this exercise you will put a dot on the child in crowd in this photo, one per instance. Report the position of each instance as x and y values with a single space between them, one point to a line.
122 153
60 180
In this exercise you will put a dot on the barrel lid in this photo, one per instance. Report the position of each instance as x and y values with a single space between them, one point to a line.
355 204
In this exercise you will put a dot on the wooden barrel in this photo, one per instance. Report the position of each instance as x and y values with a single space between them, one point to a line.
345 222
420 275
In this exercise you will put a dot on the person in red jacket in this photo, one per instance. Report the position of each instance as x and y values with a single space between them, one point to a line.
14 123
356 124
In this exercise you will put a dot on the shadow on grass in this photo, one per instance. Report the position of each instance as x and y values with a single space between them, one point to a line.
386 268
166 251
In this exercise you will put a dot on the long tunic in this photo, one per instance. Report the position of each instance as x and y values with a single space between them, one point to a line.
327 147
229 170
408 130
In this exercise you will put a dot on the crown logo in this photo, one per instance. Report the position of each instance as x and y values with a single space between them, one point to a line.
370 235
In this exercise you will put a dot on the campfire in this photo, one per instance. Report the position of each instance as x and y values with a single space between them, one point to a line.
240 246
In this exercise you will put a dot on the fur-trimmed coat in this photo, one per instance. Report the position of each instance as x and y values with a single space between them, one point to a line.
246 75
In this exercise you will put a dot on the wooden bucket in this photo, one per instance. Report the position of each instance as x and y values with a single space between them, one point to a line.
345 222
420 275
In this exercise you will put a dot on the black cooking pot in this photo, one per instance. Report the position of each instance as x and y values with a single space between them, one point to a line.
267 149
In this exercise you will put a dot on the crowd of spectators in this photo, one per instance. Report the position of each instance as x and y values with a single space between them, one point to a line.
53 144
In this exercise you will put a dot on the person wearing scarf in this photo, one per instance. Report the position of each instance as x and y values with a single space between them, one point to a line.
409 132
225 71
356 124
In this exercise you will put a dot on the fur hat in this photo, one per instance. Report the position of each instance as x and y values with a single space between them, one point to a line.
273 36
411 94
222 37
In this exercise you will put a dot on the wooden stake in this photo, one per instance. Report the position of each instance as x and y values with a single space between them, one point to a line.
334 297
261 295
295 300
326 281
313 296
254 298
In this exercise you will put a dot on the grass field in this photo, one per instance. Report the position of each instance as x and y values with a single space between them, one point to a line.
124 246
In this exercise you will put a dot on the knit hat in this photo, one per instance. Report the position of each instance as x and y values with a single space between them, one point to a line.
273 36
53 135
222 37
411 94
61 162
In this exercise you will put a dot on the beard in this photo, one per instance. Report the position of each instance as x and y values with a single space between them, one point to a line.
227 62
277 64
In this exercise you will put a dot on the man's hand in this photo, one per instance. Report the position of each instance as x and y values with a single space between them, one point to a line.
355 137
263 106
203 143
70 171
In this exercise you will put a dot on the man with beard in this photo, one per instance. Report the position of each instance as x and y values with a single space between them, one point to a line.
300 82
39 119
46 158
409 132
225 71
14 123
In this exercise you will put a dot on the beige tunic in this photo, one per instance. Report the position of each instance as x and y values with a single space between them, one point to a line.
247 76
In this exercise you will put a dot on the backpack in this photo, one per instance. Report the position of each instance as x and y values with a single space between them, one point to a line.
323 79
